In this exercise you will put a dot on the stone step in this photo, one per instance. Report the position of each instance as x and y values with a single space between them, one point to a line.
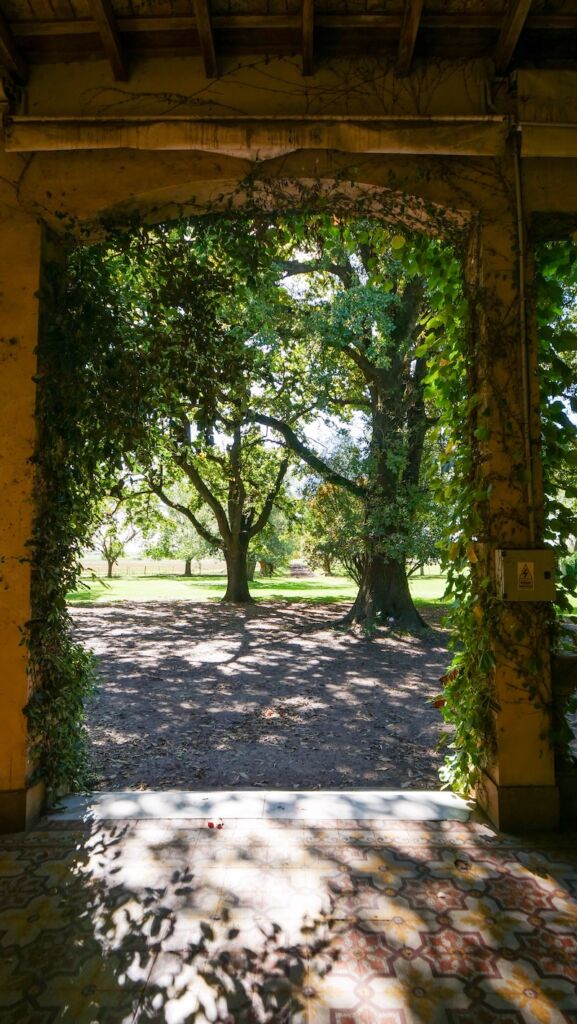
307 806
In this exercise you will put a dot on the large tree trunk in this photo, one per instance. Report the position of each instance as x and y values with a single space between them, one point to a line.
188 567
384 597
235 555
110 566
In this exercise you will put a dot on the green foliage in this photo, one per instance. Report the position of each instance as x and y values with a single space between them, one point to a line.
334 524
363 301
467 701
334 519
101 387
171 535
557 322
276 544
119 521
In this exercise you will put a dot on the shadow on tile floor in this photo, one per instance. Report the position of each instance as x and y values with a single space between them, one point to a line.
283 921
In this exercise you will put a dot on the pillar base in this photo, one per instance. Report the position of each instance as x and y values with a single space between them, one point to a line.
21 808
519 808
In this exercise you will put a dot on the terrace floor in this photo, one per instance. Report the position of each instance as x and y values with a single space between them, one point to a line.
308 908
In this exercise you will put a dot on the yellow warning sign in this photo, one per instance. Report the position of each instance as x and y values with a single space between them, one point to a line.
526 575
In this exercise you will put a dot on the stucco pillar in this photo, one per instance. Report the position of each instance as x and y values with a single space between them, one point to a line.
20 242
518 790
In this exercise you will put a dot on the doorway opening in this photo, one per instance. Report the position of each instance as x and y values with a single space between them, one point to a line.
214 355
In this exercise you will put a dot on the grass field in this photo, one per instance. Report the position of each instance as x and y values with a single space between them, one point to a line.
322 589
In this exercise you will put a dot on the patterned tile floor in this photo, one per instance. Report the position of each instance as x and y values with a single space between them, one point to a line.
286 921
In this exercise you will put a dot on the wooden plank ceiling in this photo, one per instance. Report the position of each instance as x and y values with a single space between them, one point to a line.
513 32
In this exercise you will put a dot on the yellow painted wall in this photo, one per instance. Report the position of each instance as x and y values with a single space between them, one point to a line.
19 281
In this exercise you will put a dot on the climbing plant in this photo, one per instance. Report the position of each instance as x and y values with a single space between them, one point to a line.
556 307
102 385
448 345
468 699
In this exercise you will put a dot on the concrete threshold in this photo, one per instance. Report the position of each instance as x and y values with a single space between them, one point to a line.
305 805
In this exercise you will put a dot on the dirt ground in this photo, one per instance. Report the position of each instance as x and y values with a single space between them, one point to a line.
201 696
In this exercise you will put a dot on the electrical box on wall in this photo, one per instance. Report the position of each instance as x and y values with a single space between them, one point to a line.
525 575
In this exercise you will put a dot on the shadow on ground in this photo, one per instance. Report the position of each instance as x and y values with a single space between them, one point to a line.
193 695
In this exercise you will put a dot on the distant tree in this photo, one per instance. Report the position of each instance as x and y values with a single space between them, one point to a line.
174 536
332 516
333 524
238 478
275 545
117 525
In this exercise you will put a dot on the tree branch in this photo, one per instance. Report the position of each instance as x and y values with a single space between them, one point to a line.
342 403
206 494
292 268
185 511
369 370
215 458
270 500
236 488
308 456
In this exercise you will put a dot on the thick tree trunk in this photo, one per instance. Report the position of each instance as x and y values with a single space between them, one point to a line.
327 566
237 591
110 567
384 595
188 567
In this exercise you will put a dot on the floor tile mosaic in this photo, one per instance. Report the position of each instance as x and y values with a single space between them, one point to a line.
336 921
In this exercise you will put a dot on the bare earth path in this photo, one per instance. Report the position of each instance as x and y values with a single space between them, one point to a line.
202 696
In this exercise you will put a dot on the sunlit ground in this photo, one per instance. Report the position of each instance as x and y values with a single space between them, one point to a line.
284 920
211 588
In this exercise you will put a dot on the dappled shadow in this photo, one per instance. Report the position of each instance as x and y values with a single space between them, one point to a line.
285 921
270 695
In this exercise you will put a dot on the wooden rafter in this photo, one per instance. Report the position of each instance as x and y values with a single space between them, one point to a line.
408 38
308 21
510 31
206 37
231 23
108 31
10 55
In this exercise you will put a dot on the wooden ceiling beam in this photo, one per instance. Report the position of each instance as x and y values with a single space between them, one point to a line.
408 37
10 55
308 27
206 37
292 23
108 31
511 29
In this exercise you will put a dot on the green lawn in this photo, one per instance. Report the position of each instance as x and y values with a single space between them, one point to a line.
426 589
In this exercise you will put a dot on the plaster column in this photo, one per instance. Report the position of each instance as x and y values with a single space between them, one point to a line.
518 790
20 244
